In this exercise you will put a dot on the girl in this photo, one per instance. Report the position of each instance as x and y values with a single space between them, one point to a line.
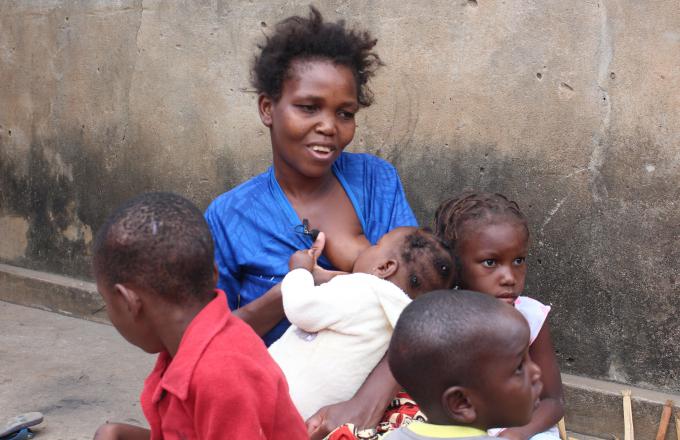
490 239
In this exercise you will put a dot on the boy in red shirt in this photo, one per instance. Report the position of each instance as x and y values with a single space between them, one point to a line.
153 263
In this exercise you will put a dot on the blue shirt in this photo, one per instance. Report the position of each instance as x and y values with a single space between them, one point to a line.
256 229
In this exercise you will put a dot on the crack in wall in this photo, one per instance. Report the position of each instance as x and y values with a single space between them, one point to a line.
597 158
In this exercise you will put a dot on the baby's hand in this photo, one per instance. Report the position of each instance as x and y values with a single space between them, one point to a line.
306 259
322 275
302 260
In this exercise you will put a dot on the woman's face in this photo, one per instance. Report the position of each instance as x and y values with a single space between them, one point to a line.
313 120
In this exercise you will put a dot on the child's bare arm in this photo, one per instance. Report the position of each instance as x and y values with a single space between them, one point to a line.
551 407
121 431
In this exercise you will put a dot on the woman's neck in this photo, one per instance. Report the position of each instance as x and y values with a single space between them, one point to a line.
299 187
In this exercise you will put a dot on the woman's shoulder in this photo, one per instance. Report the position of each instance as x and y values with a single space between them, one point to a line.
352 161
242 194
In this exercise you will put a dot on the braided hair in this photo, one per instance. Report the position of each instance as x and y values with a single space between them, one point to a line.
428 259
474 206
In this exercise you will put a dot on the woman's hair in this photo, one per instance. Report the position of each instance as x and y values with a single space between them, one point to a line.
311 38
474 207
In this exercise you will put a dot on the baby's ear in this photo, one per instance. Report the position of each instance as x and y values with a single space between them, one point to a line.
458 405
386 269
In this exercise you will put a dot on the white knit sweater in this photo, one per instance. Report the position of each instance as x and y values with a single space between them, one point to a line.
340 330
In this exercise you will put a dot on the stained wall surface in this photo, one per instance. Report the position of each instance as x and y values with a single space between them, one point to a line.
572 108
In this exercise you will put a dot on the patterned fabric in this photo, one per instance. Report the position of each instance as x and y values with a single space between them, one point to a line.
256 229
400 412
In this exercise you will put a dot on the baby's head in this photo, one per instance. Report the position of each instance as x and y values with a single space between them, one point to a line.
414 259
155 250
464 358
490 239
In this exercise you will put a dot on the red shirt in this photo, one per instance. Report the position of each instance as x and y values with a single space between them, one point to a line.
221 384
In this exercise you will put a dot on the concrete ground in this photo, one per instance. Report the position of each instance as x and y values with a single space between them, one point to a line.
77 373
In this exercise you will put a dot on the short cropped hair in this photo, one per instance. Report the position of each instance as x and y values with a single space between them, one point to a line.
427 258
157 241
312 38
439 339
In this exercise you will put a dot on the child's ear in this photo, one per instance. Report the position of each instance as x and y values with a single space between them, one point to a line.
264 106
130 298
386 269
458 405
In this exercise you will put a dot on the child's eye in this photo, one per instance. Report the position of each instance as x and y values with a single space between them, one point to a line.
489 262
346 115
519 261
520 367
307 108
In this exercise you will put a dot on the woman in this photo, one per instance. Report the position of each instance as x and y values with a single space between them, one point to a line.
312 78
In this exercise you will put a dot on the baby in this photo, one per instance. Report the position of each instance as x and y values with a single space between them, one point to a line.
341 329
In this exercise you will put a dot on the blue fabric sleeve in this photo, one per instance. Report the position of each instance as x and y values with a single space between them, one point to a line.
225 258
402 214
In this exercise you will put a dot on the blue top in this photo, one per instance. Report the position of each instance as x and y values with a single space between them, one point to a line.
256 229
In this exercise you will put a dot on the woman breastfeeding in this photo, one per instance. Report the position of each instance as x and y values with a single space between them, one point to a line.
311 77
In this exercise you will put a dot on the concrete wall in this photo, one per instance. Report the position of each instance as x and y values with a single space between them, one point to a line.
570 107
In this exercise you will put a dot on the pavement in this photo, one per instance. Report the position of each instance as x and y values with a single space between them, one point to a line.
78 373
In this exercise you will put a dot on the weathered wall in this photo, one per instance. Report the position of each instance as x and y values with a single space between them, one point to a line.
570 107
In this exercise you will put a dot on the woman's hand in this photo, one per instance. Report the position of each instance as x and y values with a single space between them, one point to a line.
364 410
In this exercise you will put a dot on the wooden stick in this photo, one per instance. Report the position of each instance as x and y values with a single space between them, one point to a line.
628 431
677 424
563 429
665 418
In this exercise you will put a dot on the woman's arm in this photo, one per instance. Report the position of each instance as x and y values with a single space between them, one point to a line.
263 313
365 409
551 407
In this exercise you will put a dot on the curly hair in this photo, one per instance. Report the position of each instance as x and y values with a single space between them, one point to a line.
428 258
474 206
311 38
158 241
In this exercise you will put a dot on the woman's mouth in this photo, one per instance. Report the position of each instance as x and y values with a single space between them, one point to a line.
322 152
